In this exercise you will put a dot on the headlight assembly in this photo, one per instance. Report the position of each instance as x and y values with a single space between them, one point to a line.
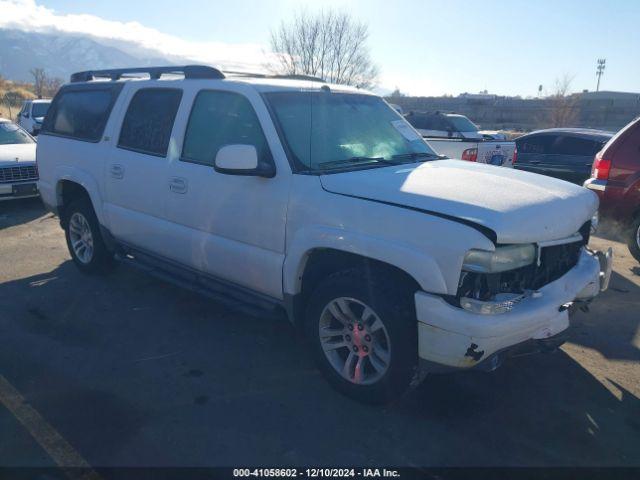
502 259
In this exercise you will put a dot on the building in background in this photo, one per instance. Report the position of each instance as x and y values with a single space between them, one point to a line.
603 110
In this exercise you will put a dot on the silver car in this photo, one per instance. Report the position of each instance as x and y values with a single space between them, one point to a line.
18 170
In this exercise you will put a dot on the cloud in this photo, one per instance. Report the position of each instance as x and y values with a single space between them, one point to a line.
27 15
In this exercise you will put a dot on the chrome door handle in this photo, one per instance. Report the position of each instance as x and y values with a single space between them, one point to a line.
178 185
117 171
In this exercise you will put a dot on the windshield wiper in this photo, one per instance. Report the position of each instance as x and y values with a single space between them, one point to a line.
415 155
356 161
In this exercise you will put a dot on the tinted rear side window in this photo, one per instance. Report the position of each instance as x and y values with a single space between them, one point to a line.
428 122
149 120
218 119
576 146
81 113
539 144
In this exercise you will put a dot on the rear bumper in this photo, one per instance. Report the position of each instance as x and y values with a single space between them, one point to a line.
449 336
595 184
616 201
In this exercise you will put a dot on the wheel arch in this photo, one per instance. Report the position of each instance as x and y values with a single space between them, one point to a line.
305 266
71 184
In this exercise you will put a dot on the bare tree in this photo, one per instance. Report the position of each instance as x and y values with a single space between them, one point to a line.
39 80
329 45
44 85
52 85
564 110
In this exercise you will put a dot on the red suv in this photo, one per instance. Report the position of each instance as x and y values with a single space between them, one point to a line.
615 177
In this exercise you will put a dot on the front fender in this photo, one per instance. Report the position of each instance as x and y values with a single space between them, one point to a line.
422 267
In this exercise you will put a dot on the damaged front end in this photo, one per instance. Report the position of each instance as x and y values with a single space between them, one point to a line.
490 287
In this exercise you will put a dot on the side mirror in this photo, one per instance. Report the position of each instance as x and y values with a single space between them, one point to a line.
241 160
25 114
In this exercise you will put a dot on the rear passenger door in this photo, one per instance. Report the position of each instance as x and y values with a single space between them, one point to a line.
229 226
136 171
574 157
534 154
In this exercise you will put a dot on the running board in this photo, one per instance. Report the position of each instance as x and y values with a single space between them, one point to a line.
230 295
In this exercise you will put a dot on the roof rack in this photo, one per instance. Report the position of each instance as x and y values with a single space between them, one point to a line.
284 77
189 72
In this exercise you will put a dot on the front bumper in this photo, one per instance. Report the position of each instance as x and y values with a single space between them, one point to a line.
452 337
16 190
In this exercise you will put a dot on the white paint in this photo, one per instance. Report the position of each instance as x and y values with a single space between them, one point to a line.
445 332
258 232
237 157
520 207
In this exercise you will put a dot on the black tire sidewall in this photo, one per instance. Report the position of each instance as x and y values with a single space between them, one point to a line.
394 306
634 248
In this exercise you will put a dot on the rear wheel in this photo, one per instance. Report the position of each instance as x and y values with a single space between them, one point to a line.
634 239
363 331
84 240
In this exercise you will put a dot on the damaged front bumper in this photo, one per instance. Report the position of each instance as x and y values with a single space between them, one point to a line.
452 337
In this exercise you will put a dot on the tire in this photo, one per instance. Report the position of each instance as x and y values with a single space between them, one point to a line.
633 241
81 224
387 356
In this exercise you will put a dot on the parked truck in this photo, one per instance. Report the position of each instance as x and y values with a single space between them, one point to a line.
455 136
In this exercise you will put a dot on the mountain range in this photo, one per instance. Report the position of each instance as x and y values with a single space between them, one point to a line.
61 54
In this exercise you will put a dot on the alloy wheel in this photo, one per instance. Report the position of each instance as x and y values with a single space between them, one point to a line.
354 340
81 237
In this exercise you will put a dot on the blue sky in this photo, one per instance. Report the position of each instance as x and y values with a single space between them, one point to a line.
427 47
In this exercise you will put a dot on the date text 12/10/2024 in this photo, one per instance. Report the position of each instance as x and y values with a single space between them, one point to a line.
316 472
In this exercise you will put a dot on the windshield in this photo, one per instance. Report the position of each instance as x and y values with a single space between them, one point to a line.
325 130
40 109
462 124
11 133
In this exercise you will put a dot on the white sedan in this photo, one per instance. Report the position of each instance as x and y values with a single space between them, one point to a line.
18 170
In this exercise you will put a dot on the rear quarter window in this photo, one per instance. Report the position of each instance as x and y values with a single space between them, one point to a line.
577 146
81 113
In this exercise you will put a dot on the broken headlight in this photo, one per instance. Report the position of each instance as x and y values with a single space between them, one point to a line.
501 259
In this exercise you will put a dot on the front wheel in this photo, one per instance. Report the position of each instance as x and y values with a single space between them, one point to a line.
634 239
82 232
364 334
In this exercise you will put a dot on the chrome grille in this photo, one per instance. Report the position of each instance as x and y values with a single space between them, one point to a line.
18 174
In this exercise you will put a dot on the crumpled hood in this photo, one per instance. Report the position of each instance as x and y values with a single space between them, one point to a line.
520 207
23 152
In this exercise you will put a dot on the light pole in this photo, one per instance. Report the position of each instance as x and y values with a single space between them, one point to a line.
600 71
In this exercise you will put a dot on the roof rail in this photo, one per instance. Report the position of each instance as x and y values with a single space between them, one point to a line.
266 75
189 72
299 77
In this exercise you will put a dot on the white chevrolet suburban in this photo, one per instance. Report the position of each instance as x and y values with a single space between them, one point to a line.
323 201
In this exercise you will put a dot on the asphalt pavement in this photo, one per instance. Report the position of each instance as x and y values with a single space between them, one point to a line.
130 371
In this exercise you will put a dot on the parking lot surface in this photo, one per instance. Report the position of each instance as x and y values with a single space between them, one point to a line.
131 371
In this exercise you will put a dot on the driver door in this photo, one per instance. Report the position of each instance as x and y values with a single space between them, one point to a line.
229 226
